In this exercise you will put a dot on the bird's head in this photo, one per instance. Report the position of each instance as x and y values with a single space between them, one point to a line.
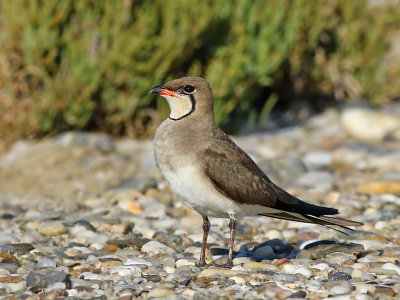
187 96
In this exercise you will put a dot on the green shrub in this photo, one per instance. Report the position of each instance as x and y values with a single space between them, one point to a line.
88 65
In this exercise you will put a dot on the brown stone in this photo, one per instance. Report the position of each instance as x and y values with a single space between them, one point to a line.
11 279
6 256
380 289
53 294
384 187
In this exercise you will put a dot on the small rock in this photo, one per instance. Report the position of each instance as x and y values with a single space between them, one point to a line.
52 228
216 272
205 295
160 293
137 261
318 159
320 249
303 271
368 125
153 278
41 279
381 271
155 247
241 260
386 290
304 254
284 277
53 294
338 257
340 289
297 295
46 262
391 266
316 179
364 288
386 187
125 271
6 238
288 268
274 234
136 243
258 265
13 287
339 276
95 141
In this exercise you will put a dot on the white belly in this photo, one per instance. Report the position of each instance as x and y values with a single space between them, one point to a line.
198 193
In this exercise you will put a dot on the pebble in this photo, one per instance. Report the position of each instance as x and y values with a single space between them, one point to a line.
154 247
340 289
216 272
160 293
303 271
7 238
318 159
52 228
41 279
46 262
391 266
321 249
369 125
320 180
339 276
116 231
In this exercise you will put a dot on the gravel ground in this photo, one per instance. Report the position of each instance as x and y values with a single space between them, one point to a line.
85 216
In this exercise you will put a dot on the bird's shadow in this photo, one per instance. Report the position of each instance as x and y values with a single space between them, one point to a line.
278 249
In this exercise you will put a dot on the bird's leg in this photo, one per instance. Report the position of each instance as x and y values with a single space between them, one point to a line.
206 230
232 227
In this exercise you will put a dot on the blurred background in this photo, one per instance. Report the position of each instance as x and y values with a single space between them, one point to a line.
88 65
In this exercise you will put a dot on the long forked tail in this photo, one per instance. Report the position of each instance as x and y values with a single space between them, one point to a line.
320 220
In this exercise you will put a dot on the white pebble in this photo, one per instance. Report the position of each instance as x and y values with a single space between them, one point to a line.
357 273
288 268
169 270
364 288
340 289
320 266
238 279
274 234
126 271
90 276
239 268
46 262
4 272
184 262
303 271
155 247
13 287
137 261
391 266
241 260
7 238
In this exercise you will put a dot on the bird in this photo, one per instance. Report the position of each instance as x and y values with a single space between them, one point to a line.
210 174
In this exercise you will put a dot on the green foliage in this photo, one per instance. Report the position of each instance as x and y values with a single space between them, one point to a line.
90 64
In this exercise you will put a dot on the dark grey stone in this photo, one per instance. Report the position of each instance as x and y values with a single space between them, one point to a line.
40 279
339 276
205 295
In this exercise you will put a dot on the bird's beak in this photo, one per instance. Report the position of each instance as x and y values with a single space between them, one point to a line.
162 91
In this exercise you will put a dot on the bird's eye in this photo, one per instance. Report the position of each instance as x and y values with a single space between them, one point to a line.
189 89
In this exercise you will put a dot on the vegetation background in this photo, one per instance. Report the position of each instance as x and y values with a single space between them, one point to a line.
88 65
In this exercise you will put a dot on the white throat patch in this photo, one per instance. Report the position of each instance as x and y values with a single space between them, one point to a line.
180 106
